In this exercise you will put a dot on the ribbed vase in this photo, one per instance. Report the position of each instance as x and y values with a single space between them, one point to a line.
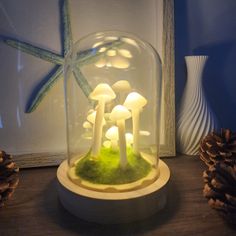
195 119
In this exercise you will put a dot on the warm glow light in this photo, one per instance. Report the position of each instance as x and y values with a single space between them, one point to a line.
119 114
121 87
120 62
125 53
111 38
129 138
102 93
130 41
135 102
87 125
113 135
111 53
91 117
97 44
103 49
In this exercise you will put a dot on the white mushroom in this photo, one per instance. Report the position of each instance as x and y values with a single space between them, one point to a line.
129 139
121 87
119 114
102 93
92 117
135 102
113 136
87 125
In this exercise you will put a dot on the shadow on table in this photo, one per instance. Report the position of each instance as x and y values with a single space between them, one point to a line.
65 220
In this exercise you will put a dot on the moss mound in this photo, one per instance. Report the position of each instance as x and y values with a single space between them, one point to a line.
106 169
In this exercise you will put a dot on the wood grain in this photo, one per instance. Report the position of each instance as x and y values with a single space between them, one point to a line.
35 209
168 79
39 159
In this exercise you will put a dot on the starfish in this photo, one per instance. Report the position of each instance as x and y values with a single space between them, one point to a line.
84 57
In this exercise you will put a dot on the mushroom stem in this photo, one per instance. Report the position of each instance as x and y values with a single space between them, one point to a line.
135 121
122 143
97 136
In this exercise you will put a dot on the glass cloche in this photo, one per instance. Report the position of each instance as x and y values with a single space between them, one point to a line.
113 99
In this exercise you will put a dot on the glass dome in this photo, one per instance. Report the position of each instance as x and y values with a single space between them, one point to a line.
113 99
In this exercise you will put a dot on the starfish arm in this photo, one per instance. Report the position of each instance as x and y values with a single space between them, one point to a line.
82 81
67 33
33 50
38 96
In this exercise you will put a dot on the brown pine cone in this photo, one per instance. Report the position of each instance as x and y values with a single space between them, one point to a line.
220 189
217 147
9 177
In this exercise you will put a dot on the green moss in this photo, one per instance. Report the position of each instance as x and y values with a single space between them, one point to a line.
106 169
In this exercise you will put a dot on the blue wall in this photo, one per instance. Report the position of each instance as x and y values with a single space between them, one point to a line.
209 27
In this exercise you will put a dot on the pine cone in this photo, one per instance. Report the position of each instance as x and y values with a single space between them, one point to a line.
218 147
8 177
220 189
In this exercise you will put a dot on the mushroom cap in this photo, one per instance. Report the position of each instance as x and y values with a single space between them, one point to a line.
129 138
119 112
87 125
121 86
92 117
102 92
135 101
112 133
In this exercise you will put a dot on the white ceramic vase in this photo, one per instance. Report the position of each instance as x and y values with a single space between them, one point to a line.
195 119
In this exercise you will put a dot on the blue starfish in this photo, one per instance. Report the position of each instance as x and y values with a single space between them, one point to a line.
83 57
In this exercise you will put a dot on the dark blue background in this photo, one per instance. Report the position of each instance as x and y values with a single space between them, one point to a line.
208 27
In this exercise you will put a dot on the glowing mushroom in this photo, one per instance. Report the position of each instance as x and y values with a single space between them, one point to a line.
102 93
92 117
119 114
135 102
129 139
112 135
87 125
121 87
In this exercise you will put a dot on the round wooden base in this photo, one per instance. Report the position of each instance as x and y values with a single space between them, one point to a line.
102 207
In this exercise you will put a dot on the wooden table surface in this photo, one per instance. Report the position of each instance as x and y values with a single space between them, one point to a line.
35 209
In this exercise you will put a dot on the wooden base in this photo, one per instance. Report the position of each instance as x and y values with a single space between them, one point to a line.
123 207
